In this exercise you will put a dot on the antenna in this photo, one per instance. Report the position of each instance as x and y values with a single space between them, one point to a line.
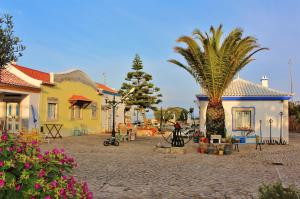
291 77
104 78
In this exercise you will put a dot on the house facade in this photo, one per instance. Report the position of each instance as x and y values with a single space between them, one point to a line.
19 100
72 101
252 109
30 99
109 93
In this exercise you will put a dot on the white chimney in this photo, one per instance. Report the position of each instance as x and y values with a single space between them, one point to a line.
265 81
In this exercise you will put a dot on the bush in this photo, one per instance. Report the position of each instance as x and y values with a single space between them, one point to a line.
26 172
277 191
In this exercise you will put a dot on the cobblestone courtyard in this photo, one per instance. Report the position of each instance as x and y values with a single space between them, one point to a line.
134 170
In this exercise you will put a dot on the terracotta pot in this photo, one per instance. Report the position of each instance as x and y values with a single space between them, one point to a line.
202 150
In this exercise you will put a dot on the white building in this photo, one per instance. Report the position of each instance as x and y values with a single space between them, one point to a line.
250 106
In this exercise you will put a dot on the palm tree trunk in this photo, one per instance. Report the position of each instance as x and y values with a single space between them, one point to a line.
215 118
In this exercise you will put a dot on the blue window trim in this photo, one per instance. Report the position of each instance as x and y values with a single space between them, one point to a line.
250 107
249 98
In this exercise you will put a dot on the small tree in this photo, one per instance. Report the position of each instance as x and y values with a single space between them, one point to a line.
10 45
146 95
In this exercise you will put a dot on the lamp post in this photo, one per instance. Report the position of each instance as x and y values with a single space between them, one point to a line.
113 103
281 114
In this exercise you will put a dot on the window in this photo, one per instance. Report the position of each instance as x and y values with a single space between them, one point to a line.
243 119
94 110
52 111
76 112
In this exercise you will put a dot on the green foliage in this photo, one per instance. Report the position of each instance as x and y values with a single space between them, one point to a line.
10 47
26 172
294 110
214 63
145 95
181 114
277 191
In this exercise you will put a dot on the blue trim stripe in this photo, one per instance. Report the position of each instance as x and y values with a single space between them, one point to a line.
110 93
249 98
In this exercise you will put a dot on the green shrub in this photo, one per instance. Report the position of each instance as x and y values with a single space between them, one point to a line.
277 191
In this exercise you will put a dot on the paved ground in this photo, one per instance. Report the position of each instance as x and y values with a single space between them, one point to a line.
134 170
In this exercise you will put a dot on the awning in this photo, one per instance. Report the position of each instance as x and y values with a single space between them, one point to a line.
80 100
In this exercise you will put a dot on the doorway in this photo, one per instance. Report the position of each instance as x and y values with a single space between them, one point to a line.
13 117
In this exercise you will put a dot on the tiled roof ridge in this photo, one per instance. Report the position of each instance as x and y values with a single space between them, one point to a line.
262 87
34 73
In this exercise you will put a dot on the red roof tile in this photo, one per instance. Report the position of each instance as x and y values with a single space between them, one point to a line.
36 74
106 88
8 78
79 98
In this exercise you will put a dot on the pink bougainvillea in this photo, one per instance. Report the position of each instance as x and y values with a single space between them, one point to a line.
26 172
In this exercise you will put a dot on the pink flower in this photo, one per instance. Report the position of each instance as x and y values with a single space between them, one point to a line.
37 186
42 173
4 137
54 184
19 150
2 183
40 156
27 165
1 163
62 192
47 197
18 187
90 195
1 149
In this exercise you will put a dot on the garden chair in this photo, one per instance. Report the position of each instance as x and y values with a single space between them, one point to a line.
83 129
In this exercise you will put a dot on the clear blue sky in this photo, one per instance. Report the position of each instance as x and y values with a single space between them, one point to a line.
103 37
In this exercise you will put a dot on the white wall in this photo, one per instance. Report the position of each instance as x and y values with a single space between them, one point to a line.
264 110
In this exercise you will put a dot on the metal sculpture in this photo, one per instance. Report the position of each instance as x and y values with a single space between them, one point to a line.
178 138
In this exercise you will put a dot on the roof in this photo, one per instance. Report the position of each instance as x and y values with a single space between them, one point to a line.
36 74
79 98
8 78
241 89
106 88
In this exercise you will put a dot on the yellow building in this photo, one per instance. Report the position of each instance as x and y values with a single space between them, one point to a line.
73 101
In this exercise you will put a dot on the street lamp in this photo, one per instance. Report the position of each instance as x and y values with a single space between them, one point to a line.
113 103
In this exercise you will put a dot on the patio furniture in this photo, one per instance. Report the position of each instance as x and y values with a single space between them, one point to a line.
258 142
53 128
84 130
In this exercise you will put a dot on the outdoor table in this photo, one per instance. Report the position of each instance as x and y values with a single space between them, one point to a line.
54 128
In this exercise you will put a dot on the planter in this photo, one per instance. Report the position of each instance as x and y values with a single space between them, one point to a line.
211 150
201 150
196 139
228 148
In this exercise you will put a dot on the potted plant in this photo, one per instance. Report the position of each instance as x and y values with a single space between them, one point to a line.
221 151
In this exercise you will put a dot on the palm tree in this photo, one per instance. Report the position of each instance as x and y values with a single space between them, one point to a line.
213 64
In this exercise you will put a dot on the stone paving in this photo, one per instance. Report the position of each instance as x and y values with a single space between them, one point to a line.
134 170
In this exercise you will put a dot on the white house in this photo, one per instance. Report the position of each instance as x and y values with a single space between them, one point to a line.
249 106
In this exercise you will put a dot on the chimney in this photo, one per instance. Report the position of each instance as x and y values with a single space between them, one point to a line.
265 81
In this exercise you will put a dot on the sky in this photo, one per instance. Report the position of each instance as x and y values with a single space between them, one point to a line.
103 36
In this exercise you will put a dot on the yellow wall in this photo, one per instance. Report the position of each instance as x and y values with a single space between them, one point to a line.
63 91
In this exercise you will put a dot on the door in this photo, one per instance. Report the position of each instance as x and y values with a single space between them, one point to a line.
13 117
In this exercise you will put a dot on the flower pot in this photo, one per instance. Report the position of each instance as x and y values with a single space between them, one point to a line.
221 152
228 148
211 150
201 150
